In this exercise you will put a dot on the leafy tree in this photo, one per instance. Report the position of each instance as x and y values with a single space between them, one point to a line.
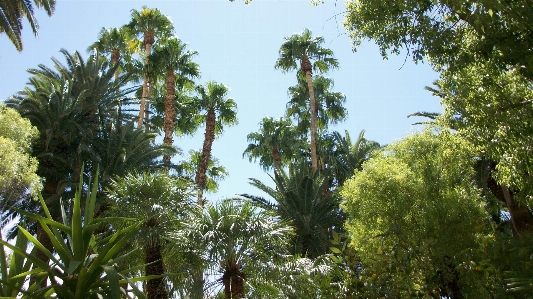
18 179
415 217
303 48
275 143
151 24
302 198
158 200
328 105
235 238
12 13
176 62
449 33
219 111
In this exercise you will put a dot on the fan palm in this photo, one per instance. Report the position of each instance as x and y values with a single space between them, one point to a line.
175 61
302 198
236 237
159 200
12 12
113 42
343 156
275 143
328 105
219 111
304 48
214 172
149 23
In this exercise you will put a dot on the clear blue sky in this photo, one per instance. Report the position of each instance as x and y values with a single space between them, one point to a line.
238 45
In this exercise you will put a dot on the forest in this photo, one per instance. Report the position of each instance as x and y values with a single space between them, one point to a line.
96 202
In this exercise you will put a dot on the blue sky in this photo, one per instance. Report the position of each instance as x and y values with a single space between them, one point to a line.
238 45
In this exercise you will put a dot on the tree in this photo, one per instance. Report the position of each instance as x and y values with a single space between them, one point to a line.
344 157
150 24
71 106
303 47
219 111
12 13
214 173
18 178
302 198
328 105
235 237
449 33
274 144
158 200
113 42
176 62
415 217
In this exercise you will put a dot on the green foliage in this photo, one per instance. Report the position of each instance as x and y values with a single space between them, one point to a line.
84 263
415 215
303 199
215 172
18 176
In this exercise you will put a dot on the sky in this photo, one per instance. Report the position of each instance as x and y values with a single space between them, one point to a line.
238 46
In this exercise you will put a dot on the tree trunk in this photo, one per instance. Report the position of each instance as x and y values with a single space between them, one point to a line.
201 178
170 112
155 288
520 216
148 49
306 67
233 283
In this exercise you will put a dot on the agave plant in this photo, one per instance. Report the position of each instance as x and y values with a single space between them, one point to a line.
83 265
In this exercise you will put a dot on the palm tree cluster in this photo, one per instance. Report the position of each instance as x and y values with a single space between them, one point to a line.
145 221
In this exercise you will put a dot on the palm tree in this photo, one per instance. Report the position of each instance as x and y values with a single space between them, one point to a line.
236 237
113 42
159 200
214 173
71 106
303 47
303 200
328 105
219 111
275 143
343 156
175 61
13 11
150 24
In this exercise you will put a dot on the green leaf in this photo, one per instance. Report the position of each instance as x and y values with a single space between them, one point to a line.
335 250
112 278
73 266
490 12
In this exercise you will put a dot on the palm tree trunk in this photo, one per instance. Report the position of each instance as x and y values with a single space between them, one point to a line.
233 281
155 288
170 112
201 178
148 49
313 116
520 216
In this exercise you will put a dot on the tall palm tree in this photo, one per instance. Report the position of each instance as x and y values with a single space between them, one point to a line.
219 111
13 11
113 42
275 143
304 48
302 199
175 61
235 238
151 24
328 104
159 200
